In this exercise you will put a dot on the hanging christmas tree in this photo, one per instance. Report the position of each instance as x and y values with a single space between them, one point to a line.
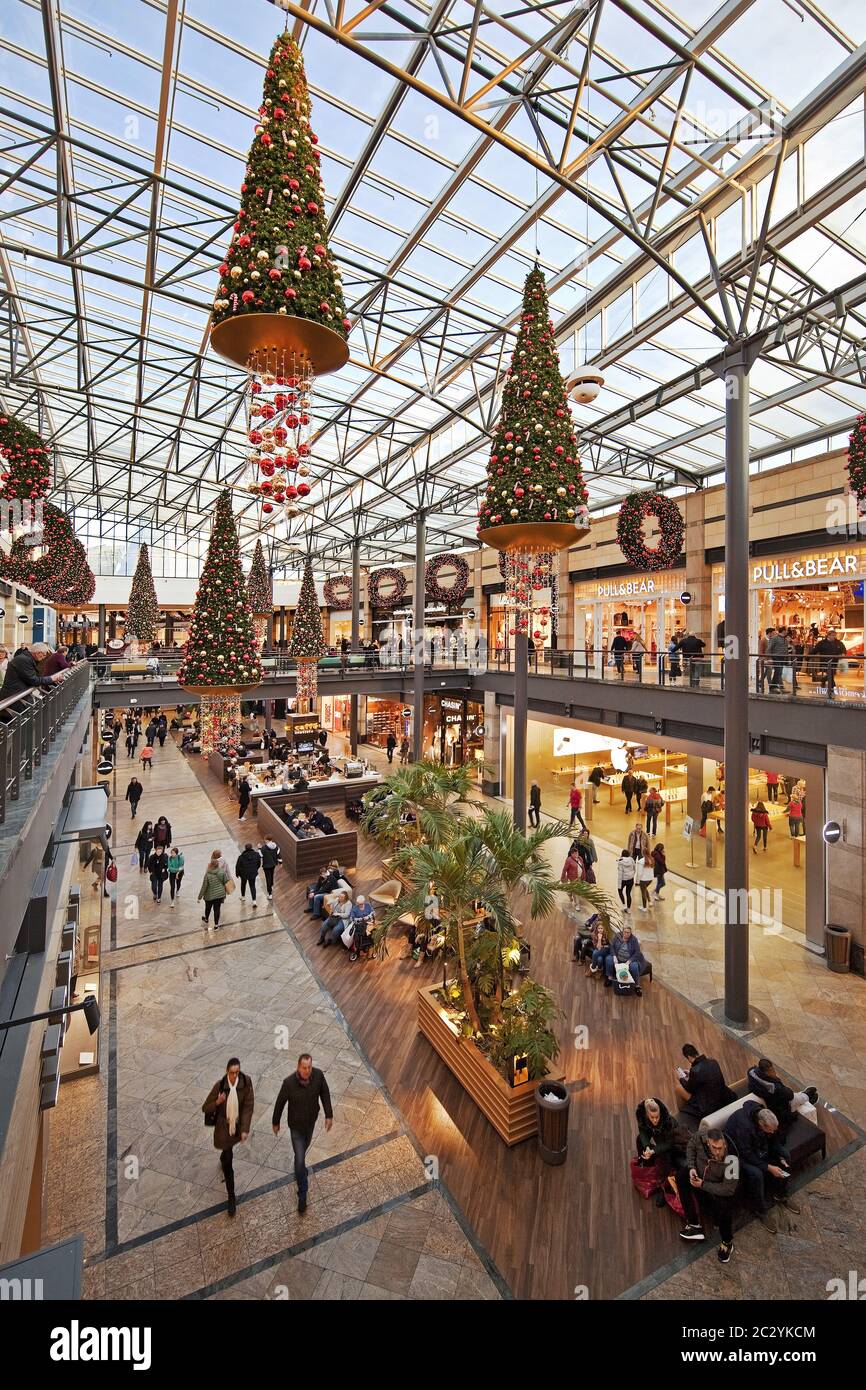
60 573
279 309
535 501
221 657
857 462
24 473
307 642
142 617
278 261
260 594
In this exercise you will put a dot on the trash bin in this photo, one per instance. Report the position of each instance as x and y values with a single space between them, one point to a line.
552 1100
837 941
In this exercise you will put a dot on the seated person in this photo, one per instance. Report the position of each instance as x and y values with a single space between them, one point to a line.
303 830
362 919
753 1133
765 1082
326 825
707 1185
595 946
655 1139
326 883
300 783
701 1088
624 950
335 924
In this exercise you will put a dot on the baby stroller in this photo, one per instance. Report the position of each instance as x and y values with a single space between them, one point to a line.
361 939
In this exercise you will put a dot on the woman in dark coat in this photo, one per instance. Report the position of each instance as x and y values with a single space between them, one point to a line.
229 1107
243 797
656 1134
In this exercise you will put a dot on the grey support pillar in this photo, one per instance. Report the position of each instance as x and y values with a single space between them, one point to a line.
521 667
418 641
356 640
736 698
100 637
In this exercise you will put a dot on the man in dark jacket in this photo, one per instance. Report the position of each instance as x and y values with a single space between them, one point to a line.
701 1087
692 648
709 1183
764 1165
157 867
300 1095
596 777
535 805
133 795
231 1104
249 862
627 785
764 1081
325 883
22 673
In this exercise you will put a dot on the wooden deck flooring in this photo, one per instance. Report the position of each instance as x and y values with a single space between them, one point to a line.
550 1231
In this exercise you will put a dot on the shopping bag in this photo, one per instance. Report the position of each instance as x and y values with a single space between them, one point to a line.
788 674
111 873
644 1177
133 860
230 885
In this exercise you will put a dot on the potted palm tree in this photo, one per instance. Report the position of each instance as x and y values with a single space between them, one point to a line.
414 804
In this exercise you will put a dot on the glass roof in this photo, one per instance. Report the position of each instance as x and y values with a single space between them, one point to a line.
682 174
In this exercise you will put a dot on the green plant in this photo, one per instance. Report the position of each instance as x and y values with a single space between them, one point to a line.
525 1028
415 804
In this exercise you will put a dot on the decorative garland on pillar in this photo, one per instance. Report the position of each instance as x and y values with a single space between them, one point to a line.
629 531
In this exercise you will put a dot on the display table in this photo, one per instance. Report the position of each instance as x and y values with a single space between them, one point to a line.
219 764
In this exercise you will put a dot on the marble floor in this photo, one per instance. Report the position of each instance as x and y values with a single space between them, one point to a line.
131 1163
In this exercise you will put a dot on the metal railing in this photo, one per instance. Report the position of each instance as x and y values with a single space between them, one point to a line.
280 665
796 678
29 724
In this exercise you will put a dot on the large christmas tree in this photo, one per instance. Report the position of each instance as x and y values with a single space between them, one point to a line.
534 472
142 616
25 473
307 641
221 650
278 260
259 589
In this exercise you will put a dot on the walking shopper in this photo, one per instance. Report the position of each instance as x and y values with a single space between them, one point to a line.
644 873
652 806
762 826
660 868
638 843
391 744
162 833
795 816
162 729
229 1108
625 872
534 804
146 758
575 801
299 1096
270 852
627 785
772 786
596 777
214 887
249 862
243 797
144 844
130 744
405 749
157 867
133 795
175 872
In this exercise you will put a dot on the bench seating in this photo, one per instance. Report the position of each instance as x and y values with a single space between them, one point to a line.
802 1139
304 858
319 794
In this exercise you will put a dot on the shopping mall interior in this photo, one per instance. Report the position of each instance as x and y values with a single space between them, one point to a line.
433 718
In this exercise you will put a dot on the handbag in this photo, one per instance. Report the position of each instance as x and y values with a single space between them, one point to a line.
111 872
230 885
788 674
210 1119
644 1177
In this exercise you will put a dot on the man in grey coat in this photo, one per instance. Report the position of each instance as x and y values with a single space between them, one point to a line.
708 1184
300 1095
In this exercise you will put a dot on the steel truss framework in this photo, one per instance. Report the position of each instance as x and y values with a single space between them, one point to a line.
602 159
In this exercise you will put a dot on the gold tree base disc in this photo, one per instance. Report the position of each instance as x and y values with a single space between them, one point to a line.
533 535
220 690
238 337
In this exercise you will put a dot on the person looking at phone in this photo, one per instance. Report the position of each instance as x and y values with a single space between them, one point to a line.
700 1087
764 1164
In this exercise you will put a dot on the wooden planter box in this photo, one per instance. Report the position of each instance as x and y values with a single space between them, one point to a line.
510 1109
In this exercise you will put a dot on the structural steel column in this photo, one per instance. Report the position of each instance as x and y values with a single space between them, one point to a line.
521 667
418 641
355 643
282 626
100 636
736 698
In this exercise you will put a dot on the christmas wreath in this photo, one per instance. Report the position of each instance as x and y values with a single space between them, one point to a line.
629 531
456 593
374 583
333 599
857 460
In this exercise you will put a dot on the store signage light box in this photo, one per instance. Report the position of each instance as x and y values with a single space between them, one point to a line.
813 567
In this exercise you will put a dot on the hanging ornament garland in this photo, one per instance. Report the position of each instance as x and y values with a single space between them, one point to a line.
60 574
386 587
307 642
535 501
338 591
221 661
457 570
630 536
857 462
279 310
